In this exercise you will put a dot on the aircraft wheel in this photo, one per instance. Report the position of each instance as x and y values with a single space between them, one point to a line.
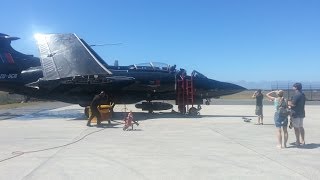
86 112
193 111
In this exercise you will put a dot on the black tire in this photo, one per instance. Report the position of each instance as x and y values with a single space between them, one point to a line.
193 111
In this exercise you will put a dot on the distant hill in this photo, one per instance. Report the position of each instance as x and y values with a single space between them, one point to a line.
268 85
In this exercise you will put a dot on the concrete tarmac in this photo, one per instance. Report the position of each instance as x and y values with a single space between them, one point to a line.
56 144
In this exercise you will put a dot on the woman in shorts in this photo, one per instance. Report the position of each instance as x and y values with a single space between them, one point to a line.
279 120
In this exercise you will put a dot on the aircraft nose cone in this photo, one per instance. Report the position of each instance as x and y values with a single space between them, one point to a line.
232 88
217 88
224 88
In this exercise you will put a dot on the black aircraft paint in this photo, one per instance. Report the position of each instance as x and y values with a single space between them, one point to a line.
69 70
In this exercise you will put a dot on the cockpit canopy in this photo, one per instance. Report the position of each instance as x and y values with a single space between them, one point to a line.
153 66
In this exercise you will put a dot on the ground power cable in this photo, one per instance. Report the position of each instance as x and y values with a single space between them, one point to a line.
266 157
20 153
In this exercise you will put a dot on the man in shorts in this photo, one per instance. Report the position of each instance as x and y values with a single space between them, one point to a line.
259 106
297 105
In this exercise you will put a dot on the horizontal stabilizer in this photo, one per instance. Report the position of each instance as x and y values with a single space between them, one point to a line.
64 55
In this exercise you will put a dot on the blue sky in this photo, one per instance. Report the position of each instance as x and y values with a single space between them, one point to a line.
227 40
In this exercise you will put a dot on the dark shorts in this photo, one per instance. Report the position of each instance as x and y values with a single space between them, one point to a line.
259 110
280 121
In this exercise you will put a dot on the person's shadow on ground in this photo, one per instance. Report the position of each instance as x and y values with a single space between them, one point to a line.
310 146
306 146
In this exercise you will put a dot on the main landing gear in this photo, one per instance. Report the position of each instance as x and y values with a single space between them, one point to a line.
208 101
193 111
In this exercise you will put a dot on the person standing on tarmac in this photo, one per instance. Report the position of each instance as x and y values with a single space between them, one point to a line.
259 106
297 105
279 120
94 108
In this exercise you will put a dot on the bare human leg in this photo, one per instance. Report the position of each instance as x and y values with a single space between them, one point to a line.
285 136
279 138
302 135
297 133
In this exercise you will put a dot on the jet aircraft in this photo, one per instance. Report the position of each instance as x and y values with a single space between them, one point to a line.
69 70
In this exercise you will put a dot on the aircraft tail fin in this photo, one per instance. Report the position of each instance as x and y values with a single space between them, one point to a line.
65 55
7 63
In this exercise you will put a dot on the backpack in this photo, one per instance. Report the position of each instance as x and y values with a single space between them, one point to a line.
283 108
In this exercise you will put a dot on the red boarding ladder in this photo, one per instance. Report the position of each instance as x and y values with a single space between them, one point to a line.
185 93
190 91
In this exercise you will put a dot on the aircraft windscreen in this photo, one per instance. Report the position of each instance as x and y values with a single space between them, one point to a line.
153 66
197 74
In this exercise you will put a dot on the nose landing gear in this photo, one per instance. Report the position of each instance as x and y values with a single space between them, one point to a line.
208 101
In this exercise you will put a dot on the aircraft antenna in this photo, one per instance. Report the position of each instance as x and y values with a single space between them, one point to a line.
106 44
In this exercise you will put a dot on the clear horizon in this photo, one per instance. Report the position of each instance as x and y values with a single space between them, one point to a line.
267 85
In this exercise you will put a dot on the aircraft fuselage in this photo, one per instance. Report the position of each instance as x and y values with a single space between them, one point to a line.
56 77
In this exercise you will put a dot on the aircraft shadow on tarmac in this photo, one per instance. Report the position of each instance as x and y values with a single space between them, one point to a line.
78 115
141 116
114 125
6 116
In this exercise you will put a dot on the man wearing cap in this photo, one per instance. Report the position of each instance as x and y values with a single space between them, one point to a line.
297 104
94 108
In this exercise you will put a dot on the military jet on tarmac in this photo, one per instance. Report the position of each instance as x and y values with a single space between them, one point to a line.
69 70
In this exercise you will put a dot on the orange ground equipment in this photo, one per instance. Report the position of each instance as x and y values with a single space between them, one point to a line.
105 111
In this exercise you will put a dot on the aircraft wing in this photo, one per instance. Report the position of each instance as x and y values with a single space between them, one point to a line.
64 55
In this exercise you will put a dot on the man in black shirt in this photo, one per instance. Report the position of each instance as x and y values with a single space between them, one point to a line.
94 108
259 105
297 104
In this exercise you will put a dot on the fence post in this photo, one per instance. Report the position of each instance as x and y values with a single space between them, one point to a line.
288 91
311 92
